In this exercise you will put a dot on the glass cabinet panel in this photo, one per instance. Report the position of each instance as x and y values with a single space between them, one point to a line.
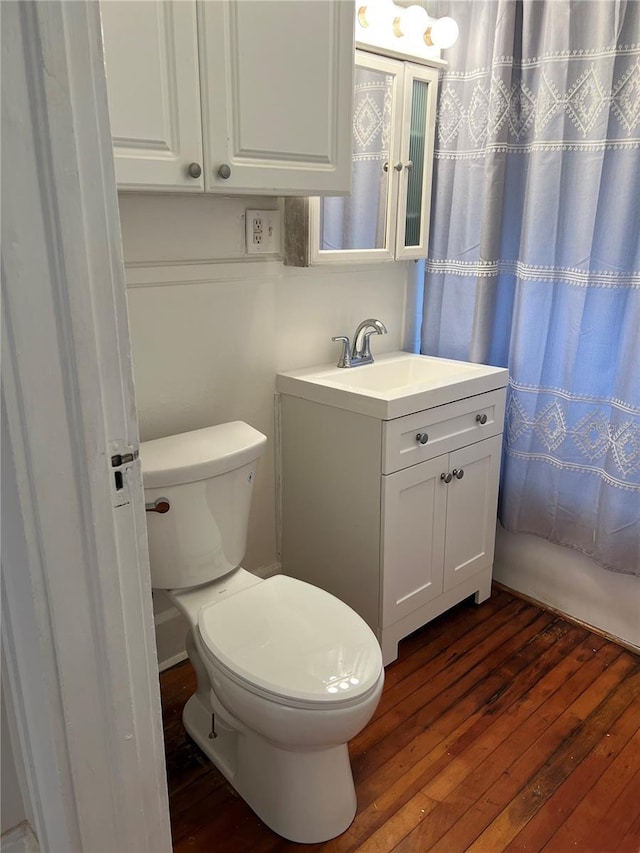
362 220
415 166
418 134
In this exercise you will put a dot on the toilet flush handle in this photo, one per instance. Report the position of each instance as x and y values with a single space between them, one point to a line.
160 505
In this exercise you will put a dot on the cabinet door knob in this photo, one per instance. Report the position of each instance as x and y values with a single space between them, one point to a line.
481 419
224 171
422 437
409 164
446 477
194 170
458 473
397 166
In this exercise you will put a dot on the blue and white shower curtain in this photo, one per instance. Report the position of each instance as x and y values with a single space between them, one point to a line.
534 259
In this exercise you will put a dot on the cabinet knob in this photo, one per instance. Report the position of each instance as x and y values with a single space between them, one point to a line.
446 478
481 419
224 171
458 473
422 437
194 170
409 164
397 166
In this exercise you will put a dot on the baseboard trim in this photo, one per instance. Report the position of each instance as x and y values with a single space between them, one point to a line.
20 839
169 662
573 619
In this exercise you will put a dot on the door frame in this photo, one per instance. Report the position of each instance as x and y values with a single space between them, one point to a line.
77 622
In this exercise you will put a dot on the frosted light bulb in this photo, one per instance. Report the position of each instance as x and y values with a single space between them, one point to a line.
375 20
443 33
410 25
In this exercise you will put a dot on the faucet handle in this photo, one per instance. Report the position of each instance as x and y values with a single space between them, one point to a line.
345 355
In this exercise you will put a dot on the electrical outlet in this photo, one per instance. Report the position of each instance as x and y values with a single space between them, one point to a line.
262 231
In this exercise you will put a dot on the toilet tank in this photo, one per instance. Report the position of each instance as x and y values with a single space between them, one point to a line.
206 476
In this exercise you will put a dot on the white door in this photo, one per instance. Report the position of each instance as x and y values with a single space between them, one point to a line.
151 57
77 623
277 82
414 514
472 496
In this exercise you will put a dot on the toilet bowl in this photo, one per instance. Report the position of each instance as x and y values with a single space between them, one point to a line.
286 673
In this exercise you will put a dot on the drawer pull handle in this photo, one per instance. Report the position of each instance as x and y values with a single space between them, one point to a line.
481 419
458 473
422 437
446 477
162 505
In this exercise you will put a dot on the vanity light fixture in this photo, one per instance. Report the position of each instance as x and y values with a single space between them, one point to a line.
408 29
442 32
375 20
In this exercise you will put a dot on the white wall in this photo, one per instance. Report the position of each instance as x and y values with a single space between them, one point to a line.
210 329
568 581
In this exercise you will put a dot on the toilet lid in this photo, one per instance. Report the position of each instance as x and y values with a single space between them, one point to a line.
293 640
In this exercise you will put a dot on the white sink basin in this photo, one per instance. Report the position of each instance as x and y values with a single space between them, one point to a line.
395 385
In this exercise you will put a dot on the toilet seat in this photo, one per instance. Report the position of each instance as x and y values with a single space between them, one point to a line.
292 643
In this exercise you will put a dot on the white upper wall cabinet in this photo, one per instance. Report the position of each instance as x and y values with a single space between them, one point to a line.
153 85
279 112
271 79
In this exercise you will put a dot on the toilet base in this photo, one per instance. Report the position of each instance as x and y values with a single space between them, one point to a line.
307 797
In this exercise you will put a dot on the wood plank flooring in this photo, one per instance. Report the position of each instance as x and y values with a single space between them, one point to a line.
501 727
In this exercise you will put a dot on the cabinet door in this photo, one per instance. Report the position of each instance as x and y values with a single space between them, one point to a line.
472 497
413 513
416 159
277 83
151 57
362 227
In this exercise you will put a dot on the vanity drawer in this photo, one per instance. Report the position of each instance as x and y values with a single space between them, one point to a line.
446 427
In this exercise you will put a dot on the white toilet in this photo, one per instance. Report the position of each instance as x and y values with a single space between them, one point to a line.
287 674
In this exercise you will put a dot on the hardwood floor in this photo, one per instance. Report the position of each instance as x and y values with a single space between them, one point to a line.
501 727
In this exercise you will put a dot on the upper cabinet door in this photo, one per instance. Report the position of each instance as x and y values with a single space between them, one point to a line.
151 57
363 226
416 159
277 102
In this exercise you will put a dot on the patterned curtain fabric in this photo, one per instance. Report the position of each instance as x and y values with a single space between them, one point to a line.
534 259
358 222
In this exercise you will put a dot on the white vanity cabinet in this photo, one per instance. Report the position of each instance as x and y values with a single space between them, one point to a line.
395 517
231 96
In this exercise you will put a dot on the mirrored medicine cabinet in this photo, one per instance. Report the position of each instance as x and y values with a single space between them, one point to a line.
386 217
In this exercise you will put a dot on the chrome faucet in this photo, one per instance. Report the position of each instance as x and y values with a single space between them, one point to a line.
360 353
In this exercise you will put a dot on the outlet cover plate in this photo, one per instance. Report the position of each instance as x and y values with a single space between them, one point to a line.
262 230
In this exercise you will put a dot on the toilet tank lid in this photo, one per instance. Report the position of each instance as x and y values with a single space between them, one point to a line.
199 454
